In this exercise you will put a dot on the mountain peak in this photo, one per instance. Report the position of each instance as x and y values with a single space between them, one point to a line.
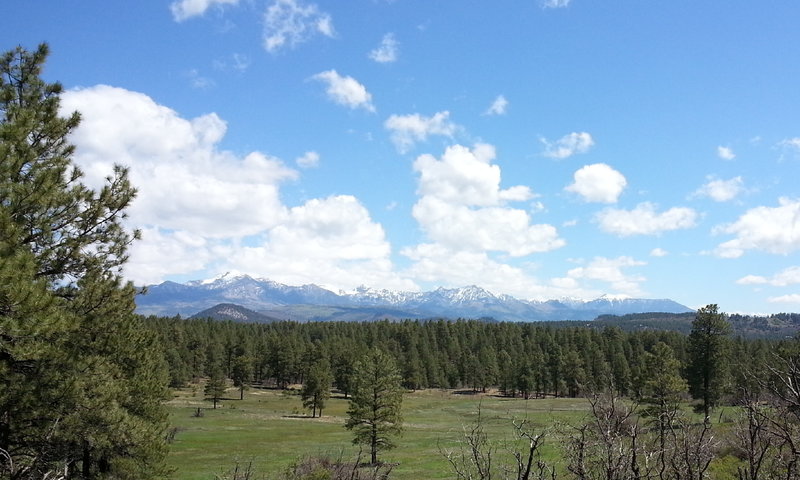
472 301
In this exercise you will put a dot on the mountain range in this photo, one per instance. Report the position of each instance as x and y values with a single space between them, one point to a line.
271 300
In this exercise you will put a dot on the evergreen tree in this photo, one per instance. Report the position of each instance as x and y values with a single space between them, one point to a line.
215 387
708 348
663 391
317 387
377 396
81 379
241 373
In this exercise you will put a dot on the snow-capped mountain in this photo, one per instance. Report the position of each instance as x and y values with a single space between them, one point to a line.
312 302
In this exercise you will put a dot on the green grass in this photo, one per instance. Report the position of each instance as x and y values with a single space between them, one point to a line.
270 429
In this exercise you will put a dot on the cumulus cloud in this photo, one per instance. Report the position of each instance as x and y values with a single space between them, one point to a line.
725 153
288 23
386 52
198 205
790 143
185 182
791 298
160 253
184 9
346 90
462 206
768 229
644 220
788 276
658 252
465 215
610 270
334 239
721 190
598 183
308 160
498 106
407 130
568 145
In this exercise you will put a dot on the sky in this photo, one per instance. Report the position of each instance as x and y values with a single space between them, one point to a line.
537 148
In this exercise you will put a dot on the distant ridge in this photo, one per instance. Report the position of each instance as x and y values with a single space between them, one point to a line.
312 302
234 313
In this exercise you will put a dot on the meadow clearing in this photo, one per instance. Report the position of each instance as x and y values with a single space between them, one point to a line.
270 429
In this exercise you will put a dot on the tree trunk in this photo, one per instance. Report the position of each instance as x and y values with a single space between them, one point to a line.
374 445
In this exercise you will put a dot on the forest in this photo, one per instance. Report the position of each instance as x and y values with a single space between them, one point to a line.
639 386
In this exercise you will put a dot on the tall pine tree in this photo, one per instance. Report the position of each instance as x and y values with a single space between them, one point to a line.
708 357
81 381
377 396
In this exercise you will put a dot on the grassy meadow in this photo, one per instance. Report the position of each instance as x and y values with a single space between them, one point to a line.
270 429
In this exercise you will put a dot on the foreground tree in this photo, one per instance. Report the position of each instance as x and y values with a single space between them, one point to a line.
708 357
81 380
377 396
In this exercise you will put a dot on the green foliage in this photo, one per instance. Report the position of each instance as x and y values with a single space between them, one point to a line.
82 379
215 388
241 373
374 413
317 388
708 357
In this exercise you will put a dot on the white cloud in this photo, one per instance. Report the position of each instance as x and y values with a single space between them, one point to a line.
288 23
598 183
658 252
644 220
752 280
346 90
786 277
568 145
183 9
331 242
184 181
386 52
462 207
201 207
464 213
791 298
498 107
790 143
556 3
725 153
721 190
407 130
308 160
609 270
769 229
160 253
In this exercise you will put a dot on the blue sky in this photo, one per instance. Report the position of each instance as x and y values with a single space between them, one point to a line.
539 148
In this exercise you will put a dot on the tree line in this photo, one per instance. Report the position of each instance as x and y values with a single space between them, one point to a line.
520 359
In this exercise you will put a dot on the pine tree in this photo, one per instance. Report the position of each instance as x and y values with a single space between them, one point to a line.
81 379
241 373
215 387
377 396
708 349
317 387
663 389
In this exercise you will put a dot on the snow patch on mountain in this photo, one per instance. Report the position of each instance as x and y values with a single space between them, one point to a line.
472 301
